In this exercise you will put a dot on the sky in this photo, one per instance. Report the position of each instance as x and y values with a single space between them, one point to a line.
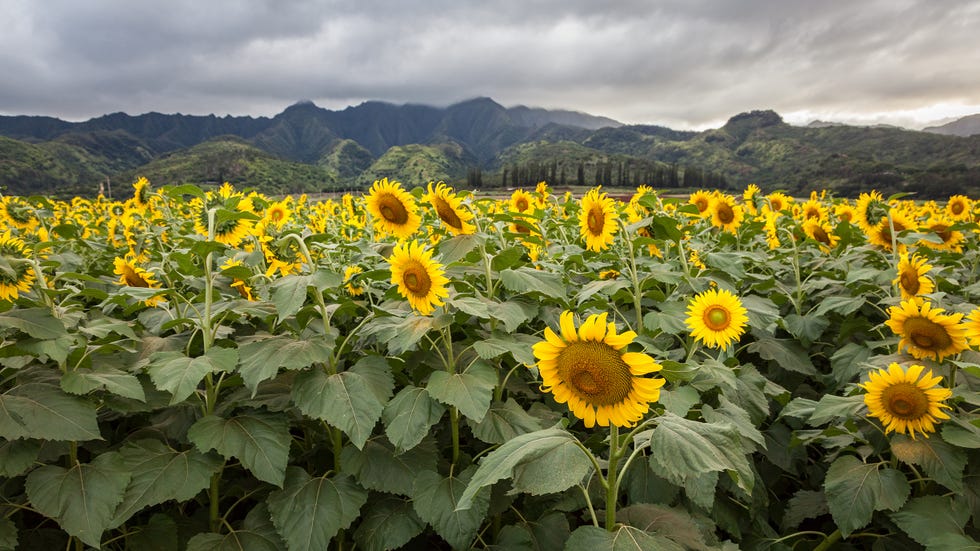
685 64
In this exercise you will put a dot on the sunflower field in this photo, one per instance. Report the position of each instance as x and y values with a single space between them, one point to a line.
427 369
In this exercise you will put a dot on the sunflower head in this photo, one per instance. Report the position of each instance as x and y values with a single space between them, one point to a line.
905 401
716 318
141 192
420 279
521 201
449 209
233 225
18 213
589 369
16 274
393 209
911 278
870 210
972 326
925 330
960 208
350 273
597 220
702 200
132 274
821 232
725 214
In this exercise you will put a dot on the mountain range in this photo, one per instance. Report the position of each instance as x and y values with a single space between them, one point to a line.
476 143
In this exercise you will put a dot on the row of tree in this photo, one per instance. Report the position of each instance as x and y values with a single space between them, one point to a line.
633 173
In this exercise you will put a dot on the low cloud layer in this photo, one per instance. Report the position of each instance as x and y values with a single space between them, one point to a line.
684 64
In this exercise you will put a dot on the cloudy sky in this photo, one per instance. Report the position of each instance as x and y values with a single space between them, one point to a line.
678 63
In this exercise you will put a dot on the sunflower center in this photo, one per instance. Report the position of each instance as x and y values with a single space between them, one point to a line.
725 213
811 213
416 280
717 318
596 220
956 208
392 209
448 215
133 279
821 236
926 334
596 372
910 282
905 401
702 204
522 204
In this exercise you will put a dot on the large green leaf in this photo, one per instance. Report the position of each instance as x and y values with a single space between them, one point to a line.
161 473
377 467
158 534
625 538
831 407
683 448
256 534
409 415
82 499
842 305
549 532
259 440
38 410
504 421
262 359
803 505
674 523
82 381
527 280
346 400
543 461
180 375
36 322
309 511
16 456
437 501
496 346
389 523
470 391
8 535
855 490
936 522
944 463
788 354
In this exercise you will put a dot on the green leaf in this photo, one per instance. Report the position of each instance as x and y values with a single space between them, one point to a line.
160 474
436 501
390 523
832 407
159 534
257 534
36 322
788 354
847 360
309 511
844 306
679 400
673 523
377 467
806 328
803 505
942 462
289 294
346 400
553 455
409 415
856 490
262 359
762 312
737 416
180 375
259 440
510 313
683 448
8 535
493 347
527 280
931 520
82 381
16 456
82 499
455 248
42 411
470 391
625 538
504 421
961 434
549 532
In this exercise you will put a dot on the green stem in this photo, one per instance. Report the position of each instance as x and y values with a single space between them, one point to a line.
454 425
214 498
635 276
612 478
828 541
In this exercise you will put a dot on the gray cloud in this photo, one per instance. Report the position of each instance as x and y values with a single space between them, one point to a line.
679 63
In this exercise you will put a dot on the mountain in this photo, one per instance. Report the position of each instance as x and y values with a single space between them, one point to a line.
965 126
477 143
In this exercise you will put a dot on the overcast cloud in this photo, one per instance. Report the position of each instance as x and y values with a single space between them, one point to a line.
679 63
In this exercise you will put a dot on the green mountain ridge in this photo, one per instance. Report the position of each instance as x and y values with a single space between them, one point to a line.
476 143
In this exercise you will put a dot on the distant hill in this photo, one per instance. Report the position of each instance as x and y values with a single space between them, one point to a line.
965 126
476 143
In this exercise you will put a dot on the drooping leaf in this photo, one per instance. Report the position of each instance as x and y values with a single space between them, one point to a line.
346 400
180 375
389 523
939 460
36 322
160 474
377 467
504 421
437 502
259 440
855 490
38 410
625 538
409 415
683 448
551 531
262 359
82 381
806 328
289 294
936 522
309 511
82 499
496 346
539 462
470 391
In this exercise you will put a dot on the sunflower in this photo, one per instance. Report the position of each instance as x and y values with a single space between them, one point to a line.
18 213
350 273
597 220
449 208
16 272
972 326
845 212
716 318
230 230
393 209
590 370
870 210
903 402
821 232
779 201
894 223
925 331
725 214
141 192
419 278
277 214
134 276
521 201
939 225
960 208
911 279
813 209
702 200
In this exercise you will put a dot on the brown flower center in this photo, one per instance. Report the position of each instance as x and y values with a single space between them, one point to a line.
522 204
821 236
956 207
927 334
725 213
717 318
701 203
596 220
596 372
416 280
447 214
905 401
133 279
909 281
392 209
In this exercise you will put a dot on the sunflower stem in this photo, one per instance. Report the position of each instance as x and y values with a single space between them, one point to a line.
454 426
612 479
635 277
829 541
